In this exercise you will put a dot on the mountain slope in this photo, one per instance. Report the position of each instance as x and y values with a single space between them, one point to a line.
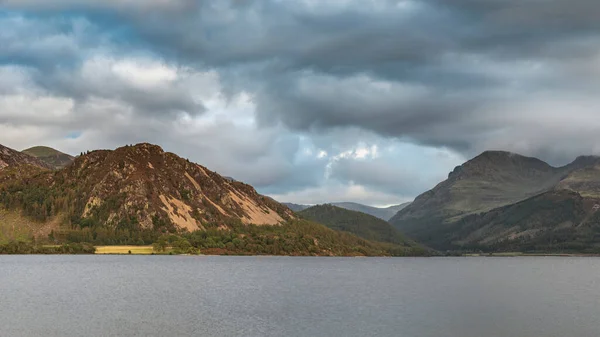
50 156
361 224
484 184
143 186
381 213
15 165
557 221
13 158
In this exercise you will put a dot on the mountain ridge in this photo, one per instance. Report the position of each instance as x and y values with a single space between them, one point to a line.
384 213
488 183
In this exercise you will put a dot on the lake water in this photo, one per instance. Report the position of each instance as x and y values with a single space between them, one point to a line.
284 296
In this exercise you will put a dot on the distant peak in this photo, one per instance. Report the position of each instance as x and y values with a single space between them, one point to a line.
490 162
504 155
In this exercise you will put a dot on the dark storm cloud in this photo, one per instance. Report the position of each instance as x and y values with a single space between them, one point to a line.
468 75
463 62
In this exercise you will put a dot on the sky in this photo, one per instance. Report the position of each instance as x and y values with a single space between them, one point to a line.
310 101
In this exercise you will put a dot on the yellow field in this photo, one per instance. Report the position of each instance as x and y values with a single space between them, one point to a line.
137 250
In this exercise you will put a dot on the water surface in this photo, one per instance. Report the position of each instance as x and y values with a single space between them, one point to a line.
283 296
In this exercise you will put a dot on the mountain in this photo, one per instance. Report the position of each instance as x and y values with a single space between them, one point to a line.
144 185
13 158
363 225
295 207
381 213
142 195
556 221
465 209
50 156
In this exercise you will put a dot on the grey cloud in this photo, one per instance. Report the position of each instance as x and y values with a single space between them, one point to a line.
469 75
301 63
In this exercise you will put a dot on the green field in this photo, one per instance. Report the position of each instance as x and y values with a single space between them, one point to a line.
13 227
136 250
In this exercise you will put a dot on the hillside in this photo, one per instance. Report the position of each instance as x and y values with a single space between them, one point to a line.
143 185
444 216
138 194
363 225
12 158
558 221
384 213
15 165
50 156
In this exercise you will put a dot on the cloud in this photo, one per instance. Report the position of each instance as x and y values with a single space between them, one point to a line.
295 96
137 5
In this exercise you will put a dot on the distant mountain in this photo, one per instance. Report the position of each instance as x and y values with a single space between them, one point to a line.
50 156
296 207
381 213
15 165
13 158
360 224
500 200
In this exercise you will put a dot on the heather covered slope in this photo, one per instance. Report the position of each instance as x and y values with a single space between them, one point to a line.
50 156
143 186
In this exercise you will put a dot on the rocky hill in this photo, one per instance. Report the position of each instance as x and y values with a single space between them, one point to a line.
50 156
464 209
144 186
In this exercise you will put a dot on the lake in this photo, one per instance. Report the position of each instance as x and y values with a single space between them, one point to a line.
288 296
